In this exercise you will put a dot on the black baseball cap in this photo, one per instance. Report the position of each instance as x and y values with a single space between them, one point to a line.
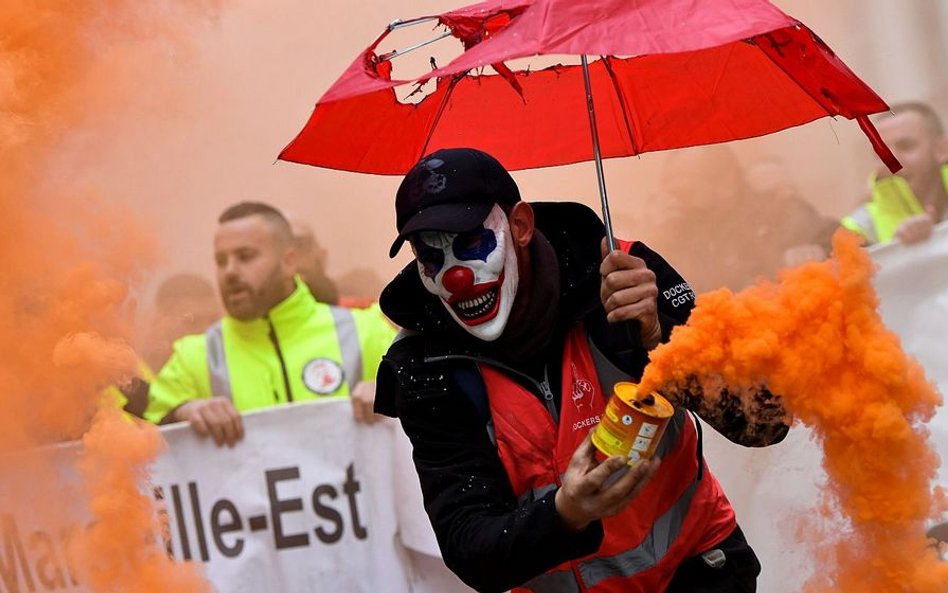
451 190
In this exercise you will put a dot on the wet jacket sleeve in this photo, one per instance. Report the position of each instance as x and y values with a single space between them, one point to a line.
675 297
184 377
487 538
752 419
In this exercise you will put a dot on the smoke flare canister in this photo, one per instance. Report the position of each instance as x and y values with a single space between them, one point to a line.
633 424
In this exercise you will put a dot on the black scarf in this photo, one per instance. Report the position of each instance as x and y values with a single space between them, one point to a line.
533 319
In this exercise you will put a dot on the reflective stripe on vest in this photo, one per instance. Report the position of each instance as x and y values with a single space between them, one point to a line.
628 563
349 349
557 581
217 362
647 554
860 221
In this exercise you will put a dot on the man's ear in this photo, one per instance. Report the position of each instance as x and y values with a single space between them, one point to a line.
291 260
941 150
521 223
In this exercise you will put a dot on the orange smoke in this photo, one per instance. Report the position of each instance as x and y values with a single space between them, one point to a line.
816 339
67 262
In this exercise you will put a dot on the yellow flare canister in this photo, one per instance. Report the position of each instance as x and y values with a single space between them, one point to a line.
633 424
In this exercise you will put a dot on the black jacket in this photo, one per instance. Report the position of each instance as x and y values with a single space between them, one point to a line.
429 379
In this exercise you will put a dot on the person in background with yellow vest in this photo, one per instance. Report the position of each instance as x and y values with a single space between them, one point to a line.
906 206
311 262
185 304
277 344
517 325
312 269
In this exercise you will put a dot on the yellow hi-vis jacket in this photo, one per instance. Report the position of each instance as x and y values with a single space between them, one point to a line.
891 203
301 350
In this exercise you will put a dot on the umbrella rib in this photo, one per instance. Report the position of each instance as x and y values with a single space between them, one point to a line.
622 102
437 118
401 52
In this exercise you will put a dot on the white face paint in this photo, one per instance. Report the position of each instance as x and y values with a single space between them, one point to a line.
474 273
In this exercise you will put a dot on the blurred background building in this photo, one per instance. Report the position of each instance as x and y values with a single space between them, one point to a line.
247 86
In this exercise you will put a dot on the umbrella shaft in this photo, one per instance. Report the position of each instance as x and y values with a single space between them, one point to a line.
597 156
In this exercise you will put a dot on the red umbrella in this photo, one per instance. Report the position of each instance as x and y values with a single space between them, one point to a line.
672 73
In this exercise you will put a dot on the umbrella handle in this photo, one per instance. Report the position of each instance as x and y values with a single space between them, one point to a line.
597 157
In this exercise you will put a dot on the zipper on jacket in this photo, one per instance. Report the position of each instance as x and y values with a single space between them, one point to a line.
279 353
542 386
548 396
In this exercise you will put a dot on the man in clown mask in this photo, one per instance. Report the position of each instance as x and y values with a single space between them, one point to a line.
517 324
475 273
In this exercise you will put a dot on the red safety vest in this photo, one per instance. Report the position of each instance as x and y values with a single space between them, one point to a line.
678 515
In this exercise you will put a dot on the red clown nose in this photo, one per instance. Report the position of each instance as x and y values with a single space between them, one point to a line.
458 279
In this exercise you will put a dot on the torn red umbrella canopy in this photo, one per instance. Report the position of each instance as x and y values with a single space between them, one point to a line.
481 21
672 74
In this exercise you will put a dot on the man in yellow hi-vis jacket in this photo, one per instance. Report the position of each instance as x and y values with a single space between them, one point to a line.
277 343
906 206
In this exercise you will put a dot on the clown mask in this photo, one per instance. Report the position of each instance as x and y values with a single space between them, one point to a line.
474 273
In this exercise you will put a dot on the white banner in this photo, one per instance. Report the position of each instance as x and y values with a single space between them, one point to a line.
305 502
42 508
772 489
308 501
913 289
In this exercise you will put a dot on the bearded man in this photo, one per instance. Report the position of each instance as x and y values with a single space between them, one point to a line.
277 344
517 325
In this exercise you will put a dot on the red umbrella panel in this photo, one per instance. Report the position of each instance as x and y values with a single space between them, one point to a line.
672 74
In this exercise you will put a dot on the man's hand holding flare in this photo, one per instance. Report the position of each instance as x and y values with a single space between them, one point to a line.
588 495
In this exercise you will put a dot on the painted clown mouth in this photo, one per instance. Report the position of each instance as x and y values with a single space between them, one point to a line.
479 307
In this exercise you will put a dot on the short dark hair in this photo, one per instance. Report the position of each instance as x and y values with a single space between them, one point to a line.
270 213
932 120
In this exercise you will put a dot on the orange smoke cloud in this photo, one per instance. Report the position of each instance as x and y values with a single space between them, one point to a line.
68 261
817 339
120 550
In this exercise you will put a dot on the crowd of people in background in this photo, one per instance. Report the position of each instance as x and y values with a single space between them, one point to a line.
749 219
